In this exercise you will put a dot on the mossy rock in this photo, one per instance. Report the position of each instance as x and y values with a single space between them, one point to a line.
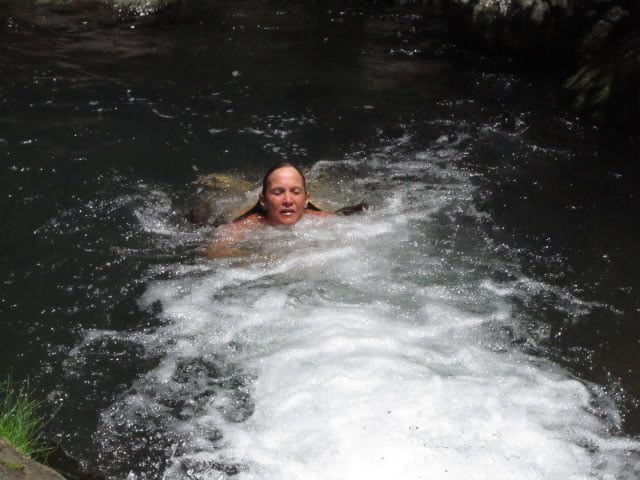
607 86
14 465
226 182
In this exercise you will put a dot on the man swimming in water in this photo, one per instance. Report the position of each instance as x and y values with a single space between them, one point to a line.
284 200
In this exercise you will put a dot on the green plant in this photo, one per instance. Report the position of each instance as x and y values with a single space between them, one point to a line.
20 424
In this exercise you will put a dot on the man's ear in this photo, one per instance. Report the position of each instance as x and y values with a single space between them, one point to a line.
306 200
261 199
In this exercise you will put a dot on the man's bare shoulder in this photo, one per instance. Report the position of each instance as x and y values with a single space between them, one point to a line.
228 235
247 223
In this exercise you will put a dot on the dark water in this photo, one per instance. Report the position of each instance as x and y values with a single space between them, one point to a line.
108 119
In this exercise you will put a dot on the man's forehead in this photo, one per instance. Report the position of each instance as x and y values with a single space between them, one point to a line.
285 174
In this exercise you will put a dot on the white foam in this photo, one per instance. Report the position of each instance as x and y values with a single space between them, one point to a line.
328 358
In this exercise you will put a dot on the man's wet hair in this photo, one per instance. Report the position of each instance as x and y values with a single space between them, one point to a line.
265 179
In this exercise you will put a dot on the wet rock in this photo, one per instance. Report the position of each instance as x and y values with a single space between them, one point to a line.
352 209
220 199
17 466
607 86
199 215
512 26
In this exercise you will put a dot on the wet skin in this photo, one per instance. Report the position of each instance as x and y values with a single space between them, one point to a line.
285 198
284 201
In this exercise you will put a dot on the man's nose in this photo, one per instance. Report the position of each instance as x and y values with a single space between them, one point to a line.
288 198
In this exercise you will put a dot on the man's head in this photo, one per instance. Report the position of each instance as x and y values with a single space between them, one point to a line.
284 195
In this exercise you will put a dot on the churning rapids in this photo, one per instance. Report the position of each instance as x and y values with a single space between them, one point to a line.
413 341
379 346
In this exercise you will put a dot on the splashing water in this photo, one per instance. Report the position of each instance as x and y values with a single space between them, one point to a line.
139 7
378 346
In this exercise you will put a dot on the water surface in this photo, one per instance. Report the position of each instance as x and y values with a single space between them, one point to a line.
478 322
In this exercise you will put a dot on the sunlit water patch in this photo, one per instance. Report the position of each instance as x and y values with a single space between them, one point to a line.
376 346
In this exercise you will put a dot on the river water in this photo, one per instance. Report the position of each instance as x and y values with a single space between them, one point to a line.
480 320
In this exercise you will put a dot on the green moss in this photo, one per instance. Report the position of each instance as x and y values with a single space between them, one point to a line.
582 79
591 87
604 91
12 465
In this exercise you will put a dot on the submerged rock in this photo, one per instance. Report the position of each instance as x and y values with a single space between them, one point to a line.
353 209
221 198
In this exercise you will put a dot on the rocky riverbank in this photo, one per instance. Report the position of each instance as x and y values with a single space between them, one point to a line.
17 466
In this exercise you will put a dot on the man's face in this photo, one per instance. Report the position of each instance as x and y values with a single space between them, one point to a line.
285 198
